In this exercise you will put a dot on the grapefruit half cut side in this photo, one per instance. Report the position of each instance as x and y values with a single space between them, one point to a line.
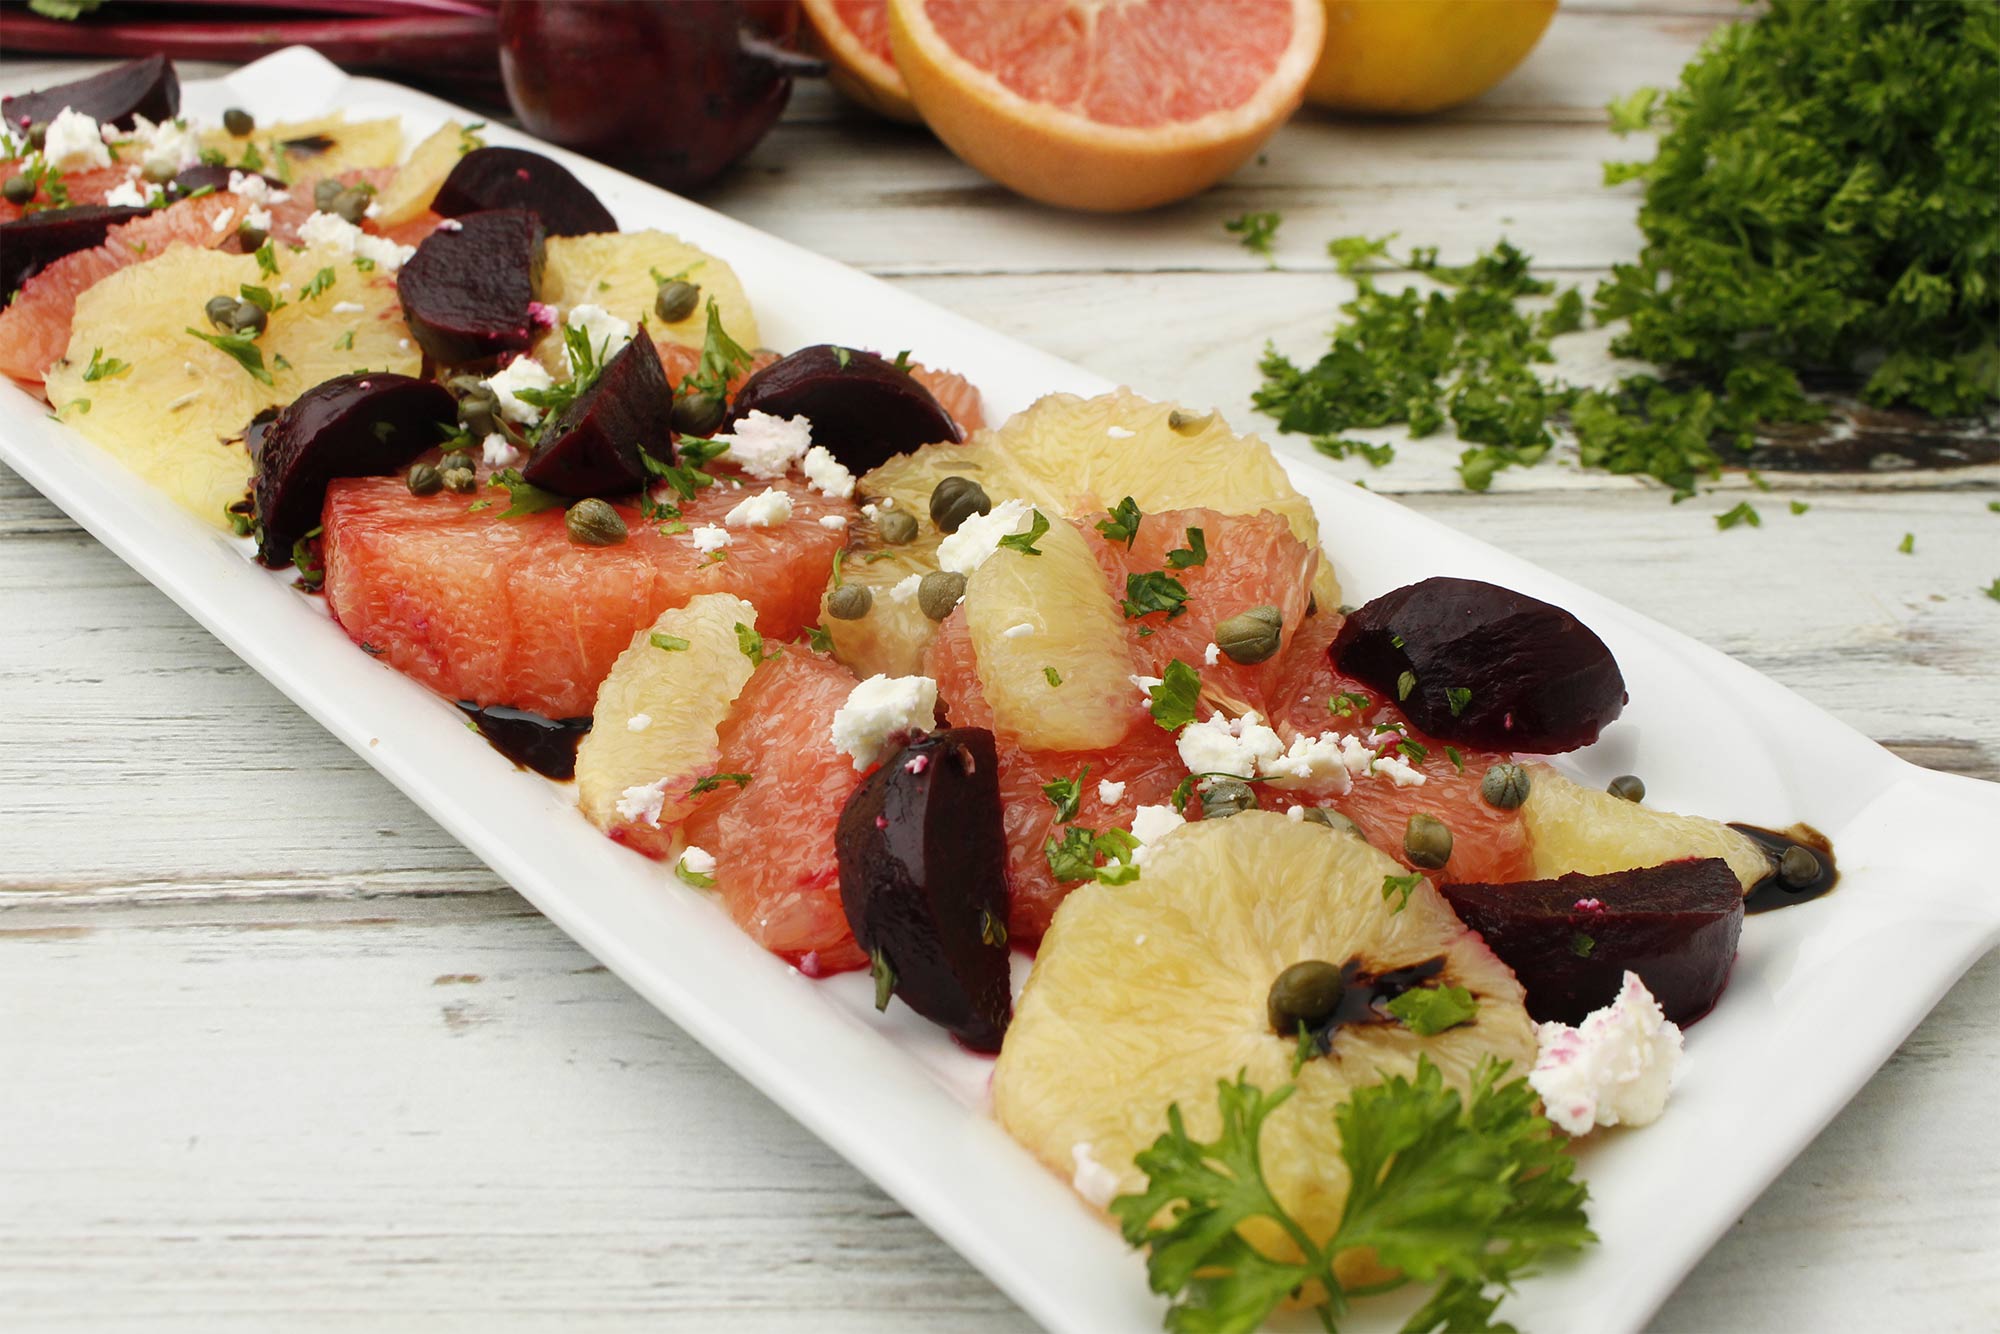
854 37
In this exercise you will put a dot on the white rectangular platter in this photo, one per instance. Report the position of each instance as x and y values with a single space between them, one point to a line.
1821 994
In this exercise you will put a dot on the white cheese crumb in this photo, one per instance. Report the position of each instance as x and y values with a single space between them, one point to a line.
1296 814
330 231
1092 1179
1145 684
520 373
1243 747
222 221
1110 793
639 722
126 194
1119 433
1211 655
73 143
167 148
450 225
827 474
878 711
643 802
767 509
766 446
1398 771
250 187
905 588
1150 824
979 536
833 521
498 452
1615 1068
695 861
606 332
1021 631
348 307
257 217
709 539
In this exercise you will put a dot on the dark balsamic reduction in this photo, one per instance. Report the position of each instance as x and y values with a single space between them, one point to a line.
1772 892
534 740
1363 994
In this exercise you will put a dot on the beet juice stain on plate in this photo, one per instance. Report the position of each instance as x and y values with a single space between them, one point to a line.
671 90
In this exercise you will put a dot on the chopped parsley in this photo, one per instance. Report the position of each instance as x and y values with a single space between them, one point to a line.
1075 855
1456 698
267 260
1255 231
671 643
526 497
818 640
1428 1011
696 878
1053 677
322 280
713 781
1404 885
1025 542
1174 698
1348 703
1194 553
102 367
243 348
1123 525
1744 512
1066 795
1153 591
751 645
1908 545
1800 507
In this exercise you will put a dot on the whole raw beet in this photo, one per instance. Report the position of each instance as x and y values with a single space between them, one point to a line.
1486 666
467 291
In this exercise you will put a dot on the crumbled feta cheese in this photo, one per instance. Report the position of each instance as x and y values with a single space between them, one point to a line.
1145 684
709 539
250 187
1316 761
1119 433
520 373
642 803
1150 824
695 862
606 332
880 709
1110 793
834 521
1615 1068
1296 814
165 149
1242 747
1398 771
450 225
1092 1179
766 446
905 588
348 307
767 509
126 194
1021 631
827 474
257 217
498 451
73 143
330 231
639 722
221 222
1211 655
979 536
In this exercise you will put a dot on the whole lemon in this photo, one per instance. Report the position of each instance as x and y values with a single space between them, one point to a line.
1409 57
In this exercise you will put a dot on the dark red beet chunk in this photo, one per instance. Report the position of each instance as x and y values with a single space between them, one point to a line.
1571 940
31 242
488 178
923 878
861 407
1486 666
359 425
209 176
147 87
467 290
593 448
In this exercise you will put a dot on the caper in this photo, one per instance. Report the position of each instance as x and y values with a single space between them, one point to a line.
248 317
1505 785
457 458
425 480
939 593
477 410
1251 636
849 602
1306 993
351 205
956 499
592 523
38 135
249 237
238 122
676 300
1426 842
459 481
1627 787
1333 820
18 190
1798 868
1224 797
698 413
325 193
158 173
897 527
1183 422
220 310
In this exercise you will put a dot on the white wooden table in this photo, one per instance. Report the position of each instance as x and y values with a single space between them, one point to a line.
275 1053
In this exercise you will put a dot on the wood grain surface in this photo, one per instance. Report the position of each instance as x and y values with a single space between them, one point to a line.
275 1053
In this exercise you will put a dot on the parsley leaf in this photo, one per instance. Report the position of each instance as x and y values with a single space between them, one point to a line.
1456 698
671 643
1428 1011
1066 795
526 497
322 280
1052 676
1255 231
1025 542
710 782
1405 885
1123 525
102 367
1074 856
751 645
698 879
1195 553
1744 512
243 348
1175 696
1154 591
1347 703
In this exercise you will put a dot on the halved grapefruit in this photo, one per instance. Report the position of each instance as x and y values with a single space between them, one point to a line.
854 37
1106 107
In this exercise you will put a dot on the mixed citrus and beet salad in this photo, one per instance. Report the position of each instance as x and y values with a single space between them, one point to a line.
1312 918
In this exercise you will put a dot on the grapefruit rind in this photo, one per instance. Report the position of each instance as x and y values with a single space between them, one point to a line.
856 69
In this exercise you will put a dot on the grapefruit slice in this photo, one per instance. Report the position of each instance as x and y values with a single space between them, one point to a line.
510 611
1106 107
83 187
854 37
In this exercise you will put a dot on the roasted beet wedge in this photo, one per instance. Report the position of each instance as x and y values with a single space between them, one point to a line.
1570 940
923 878
861 407
1483 665
209 176
147 87
489 178
593 448
467 290
32 241
358 425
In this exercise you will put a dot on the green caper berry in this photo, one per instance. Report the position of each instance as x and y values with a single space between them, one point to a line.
459 481
939 593
238 122
249 238
698 413
1426 842
1333 820
897 527
1505 786
1306 993
1252 636
676 300
248 317
592 523
220 310
158 173
1183 422
849 602
1798 868
956 499
1224 797
18 190
1627 787
38 135
325 193
457 459
352 205
461 385
477 411
425 480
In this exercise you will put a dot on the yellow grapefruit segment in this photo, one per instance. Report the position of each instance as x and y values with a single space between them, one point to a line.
854 37
1105 107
